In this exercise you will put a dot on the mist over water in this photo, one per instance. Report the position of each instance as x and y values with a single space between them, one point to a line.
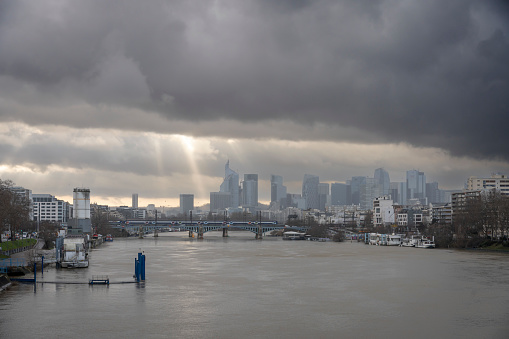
239 287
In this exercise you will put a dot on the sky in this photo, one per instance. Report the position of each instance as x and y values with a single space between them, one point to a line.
153 97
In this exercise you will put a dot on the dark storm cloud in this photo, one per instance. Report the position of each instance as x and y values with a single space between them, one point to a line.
430 73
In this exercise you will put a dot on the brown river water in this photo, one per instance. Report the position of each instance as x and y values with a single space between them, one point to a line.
239 287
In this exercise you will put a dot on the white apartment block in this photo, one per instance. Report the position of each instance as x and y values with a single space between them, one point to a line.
48 208
499 182
383 211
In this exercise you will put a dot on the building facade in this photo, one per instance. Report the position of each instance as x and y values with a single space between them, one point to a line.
277 191
220 201
46 207
186 203
310 191
383 211
416 186
340 194
250 191
231 185
497 181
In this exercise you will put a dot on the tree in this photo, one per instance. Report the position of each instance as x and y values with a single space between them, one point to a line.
318 231
14 208
48 233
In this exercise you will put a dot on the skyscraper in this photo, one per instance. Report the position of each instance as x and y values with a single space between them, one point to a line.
369 191
323 195
277 190
135 200
231 185
433 192
382 180
186 203
250 190
355 188
340 194
220 200
310 191
416 185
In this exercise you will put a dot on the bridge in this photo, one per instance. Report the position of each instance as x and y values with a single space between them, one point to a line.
202 227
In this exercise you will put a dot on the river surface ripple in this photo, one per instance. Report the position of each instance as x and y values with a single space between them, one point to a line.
239 287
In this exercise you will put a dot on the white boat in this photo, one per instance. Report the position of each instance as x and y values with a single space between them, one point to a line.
373 239
291 235
382 239
394 240
425 243
407 242
74 253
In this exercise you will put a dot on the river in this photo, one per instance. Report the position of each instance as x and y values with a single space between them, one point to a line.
239 287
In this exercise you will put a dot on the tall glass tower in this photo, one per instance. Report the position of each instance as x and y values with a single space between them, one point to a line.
231 184
310 191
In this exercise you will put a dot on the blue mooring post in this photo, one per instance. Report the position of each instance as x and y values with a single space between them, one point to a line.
136 270
143 267
139 267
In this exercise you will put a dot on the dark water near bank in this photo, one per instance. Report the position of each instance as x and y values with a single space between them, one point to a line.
244 288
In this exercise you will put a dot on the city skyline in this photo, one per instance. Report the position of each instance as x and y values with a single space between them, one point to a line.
155 99
299 189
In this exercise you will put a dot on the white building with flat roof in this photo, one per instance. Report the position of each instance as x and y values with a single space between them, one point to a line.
497 181
48 208
383 211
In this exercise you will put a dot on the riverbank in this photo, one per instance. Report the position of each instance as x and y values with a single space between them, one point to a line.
5 282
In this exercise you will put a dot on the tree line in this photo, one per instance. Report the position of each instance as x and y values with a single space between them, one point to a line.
14 209
481 220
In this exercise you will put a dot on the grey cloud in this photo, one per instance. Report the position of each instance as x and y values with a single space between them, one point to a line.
430 73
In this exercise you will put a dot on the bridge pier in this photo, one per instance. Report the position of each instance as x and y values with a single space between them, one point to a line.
200 232
140 232
225 232
259 233
191 234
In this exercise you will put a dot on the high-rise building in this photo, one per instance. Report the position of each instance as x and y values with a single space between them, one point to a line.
369 190
231 185
416 186
277 190
340 194
135 200
295 200
433 193
186 203
220 201
323 196
355 189
383 181
250 191
310 191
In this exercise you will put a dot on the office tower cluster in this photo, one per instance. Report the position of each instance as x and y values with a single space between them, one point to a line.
235 195
360 191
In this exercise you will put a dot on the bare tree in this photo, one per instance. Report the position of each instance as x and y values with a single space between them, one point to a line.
14 208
